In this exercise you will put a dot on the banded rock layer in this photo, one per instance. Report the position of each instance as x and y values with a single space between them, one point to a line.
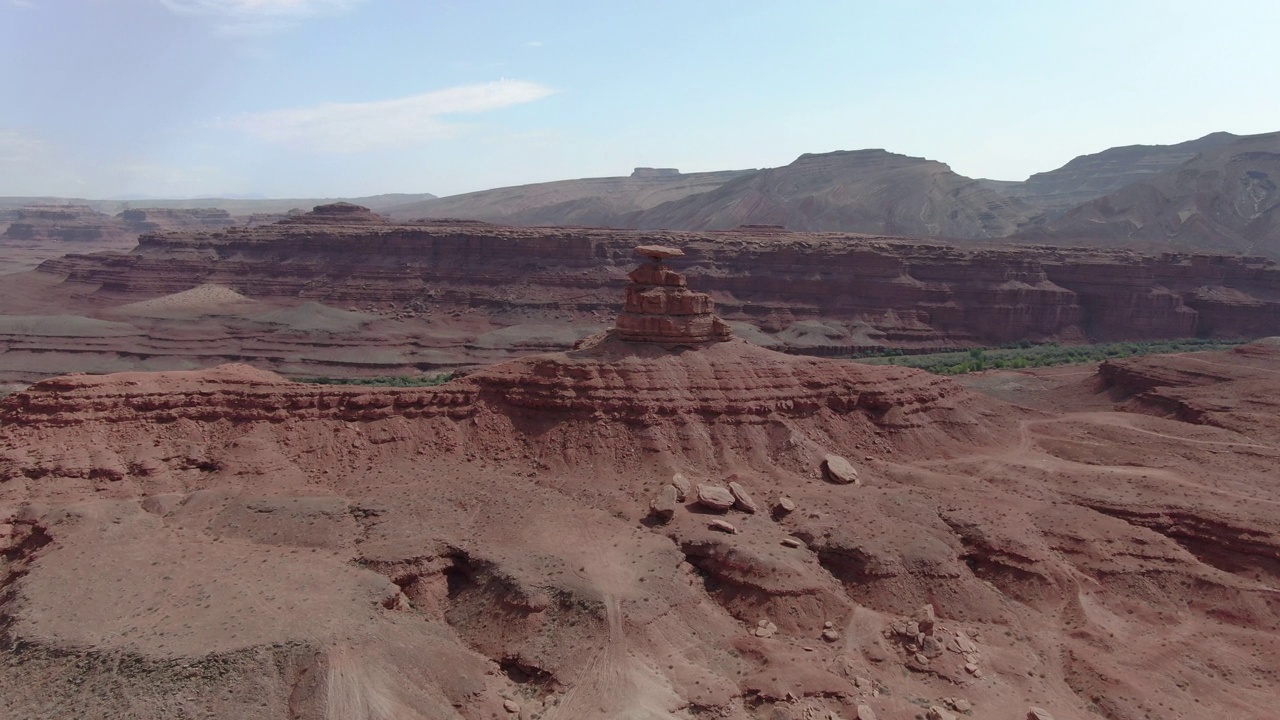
818 293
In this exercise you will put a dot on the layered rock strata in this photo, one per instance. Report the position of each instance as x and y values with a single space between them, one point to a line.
660 308
483 549
816 293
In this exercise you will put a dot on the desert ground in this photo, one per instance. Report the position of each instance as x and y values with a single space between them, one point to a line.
643 529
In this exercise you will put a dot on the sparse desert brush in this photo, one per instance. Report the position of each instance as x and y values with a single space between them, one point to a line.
1026 355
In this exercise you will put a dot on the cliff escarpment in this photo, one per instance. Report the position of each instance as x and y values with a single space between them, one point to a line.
808 292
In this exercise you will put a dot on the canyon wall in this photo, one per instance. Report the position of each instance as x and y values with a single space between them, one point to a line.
811 292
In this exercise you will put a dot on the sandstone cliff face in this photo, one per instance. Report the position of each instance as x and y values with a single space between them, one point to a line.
143 220
34 233
872 292
63 223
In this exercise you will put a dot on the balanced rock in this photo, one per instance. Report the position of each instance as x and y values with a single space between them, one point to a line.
663 506
784 506
659 308
839 471
714 497
658 253
741 499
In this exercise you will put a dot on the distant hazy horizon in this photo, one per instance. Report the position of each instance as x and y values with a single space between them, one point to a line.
349 98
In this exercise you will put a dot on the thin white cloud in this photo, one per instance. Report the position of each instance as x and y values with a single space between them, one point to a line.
342 128
22 3
259 8
256 17
534 44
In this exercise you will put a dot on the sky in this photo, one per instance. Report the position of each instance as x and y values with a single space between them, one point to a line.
345 98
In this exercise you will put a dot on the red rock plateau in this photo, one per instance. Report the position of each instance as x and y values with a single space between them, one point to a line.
341 291
680 528
49 227
30 235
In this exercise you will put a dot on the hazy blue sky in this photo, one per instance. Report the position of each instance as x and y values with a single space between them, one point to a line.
104 98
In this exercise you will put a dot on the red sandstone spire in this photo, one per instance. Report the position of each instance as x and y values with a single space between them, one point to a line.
660 309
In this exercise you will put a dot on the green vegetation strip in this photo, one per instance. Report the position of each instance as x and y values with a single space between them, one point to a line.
1030 356
396 381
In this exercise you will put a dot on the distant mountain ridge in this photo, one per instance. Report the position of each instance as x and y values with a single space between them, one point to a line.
872 191
1224 199
233 205
867 191
1215 193
1092 176
605 202
1217 188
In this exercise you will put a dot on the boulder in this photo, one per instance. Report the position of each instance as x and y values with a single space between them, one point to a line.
962 644
682 485
931 647
742 500
715 497
663 506
722 526
925 619
1036 713
784 506
839 471
937 712
865 713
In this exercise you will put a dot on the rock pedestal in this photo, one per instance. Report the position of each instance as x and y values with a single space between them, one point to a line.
659 308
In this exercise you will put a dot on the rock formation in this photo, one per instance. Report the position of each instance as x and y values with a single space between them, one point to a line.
36 233
144 220
660 309
820 294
